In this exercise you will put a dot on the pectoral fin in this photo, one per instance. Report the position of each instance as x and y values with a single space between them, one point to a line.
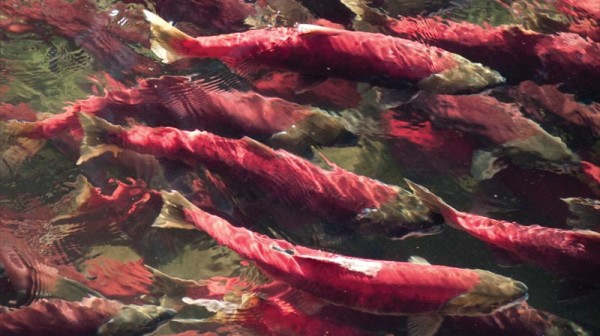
424 325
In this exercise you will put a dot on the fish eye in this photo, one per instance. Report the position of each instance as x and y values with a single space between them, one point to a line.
249 1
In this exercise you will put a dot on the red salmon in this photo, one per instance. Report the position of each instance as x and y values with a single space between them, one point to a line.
425 292
326 52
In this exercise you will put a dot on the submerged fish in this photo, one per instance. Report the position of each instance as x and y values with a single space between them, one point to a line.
325 52
522 320
574 254
194 104
517 53
25 276
369 205
501 125
90 317
425 292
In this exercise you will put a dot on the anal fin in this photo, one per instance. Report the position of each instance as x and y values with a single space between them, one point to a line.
424 325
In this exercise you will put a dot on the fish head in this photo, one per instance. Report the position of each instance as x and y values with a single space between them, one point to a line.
136 320
493 293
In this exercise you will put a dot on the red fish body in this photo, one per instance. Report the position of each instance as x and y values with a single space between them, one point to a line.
570 253
517 53
338 194
324 52
548 98
187 104
580 8
382 287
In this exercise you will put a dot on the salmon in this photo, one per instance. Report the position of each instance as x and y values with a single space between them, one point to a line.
364 204
425 292
574 254
327 52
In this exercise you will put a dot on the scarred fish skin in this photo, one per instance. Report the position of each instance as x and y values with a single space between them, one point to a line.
339 194
574 254
328 52
375 286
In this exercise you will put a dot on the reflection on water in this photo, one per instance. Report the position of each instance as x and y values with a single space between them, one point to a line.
524 148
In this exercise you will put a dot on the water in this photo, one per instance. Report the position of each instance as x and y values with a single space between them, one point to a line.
54 53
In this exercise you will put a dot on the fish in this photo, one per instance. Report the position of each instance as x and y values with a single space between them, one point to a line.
185 103
538 101
363 204
573 254
327 52
517 53
502 125
580 8
88 317
26 277
425 292
522 320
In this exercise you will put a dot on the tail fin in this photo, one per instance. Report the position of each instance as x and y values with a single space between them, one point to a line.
172 213
95 132
165 38
365 12
433 202
68 289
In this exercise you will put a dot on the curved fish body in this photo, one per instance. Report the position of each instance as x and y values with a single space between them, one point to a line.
573 254
192 104
327 52
374 286
374 207
91 316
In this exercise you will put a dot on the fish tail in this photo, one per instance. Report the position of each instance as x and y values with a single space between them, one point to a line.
433 202
172 214
165 39
96 132
365 12
73 290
